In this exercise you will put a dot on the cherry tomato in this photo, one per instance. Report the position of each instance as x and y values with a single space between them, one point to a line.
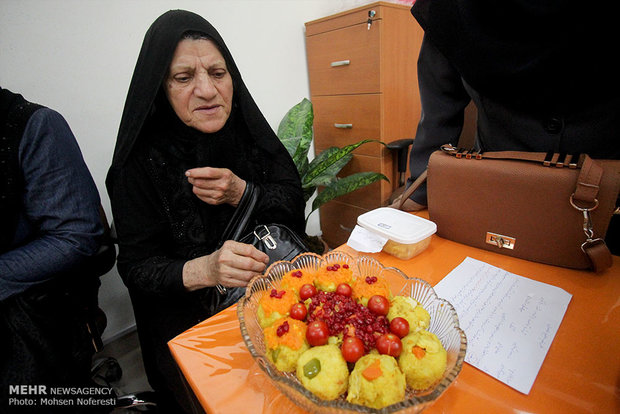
307 291
344 289
317 333
399 327
352 349
379 304
298 311
389 344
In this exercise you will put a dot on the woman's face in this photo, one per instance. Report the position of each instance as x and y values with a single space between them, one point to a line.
199 86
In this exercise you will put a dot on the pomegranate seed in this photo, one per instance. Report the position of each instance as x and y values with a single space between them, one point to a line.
275 294
282 329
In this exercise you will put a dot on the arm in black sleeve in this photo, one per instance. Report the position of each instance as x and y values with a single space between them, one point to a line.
143 232
443 99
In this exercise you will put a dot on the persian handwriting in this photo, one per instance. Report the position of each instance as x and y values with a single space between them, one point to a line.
509 320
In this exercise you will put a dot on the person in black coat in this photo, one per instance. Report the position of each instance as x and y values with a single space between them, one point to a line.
540 73
191 139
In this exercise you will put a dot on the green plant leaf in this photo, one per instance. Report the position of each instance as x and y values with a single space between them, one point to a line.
329 163
302 167
295 132
346 185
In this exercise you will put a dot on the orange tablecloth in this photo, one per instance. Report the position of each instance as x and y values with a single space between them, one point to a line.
581 373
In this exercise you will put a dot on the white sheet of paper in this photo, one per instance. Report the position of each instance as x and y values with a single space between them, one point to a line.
366 241
510 321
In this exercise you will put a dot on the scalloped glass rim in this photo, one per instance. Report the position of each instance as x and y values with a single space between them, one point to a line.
444 323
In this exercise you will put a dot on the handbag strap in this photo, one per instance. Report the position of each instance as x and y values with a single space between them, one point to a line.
238 223
414 186
583 199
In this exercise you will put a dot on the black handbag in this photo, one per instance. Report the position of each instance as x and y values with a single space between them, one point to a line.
276 240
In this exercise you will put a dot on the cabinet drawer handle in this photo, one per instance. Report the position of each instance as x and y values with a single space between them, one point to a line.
343 126
340 63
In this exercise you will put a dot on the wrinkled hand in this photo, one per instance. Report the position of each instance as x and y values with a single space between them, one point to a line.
234 264
216 185
409 205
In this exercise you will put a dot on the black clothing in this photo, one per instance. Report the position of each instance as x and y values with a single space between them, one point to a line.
160 223
539 74
537 55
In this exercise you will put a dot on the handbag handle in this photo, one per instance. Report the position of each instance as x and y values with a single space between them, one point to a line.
583 198
238 223
239 220
547 159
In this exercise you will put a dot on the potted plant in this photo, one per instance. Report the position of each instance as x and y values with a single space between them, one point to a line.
295 132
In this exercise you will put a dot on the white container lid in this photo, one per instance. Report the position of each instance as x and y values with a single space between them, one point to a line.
397 225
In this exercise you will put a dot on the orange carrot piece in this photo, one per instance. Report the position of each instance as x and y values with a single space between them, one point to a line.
373 371
418 352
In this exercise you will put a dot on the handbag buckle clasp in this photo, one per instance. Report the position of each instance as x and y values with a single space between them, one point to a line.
449 149
588 230
221 289
503 242
267 240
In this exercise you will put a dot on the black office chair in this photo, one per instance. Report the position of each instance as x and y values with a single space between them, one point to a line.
401 146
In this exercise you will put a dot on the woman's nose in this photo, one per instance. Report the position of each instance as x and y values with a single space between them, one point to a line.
204 86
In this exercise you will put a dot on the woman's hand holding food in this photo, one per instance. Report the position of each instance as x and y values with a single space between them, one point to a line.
216 185
233 265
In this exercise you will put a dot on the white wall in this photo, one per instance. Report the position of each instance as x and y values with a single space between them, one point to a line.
77 57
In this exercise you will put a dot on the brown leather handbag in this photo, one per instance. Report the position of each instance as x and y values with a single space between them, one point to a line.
544 207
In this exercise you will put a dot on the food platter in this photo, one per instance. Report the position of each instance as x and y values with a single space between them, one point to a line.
444 323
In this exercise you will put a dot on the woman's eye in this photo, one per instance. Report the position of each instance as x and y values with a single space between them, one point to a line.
182 78
219 74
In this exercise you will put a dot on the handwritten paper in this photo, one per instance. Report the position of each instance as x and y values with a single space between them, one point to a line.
366 241
510 321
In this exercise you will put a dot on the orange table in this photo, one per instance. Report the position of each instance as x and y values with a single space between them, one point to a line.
581 373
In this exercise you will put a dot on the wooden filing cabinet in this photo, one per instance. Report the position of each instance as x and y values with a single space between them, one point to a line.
363 85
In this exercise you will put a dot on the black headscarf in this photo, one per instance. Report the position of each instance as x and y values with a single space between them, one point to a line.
158 48
544 54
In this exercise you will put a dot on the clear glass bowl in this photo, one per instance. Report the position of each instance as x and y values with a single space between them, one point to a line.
444 324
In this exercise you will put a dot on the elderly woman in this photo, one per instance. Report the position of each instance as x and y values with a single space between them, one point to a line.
191 138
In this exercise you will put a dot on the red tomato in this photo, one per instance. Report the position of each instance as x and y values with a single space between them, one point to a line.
307 291
317 333
379 304
389 344
352 349
399 327
298 311
344 289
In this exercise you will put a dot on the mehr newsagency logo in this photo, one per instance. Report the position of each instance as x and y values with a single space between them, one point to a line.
46 396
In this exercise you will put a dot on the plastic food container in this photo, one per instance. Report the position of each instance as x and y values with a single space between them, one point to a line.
408 235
